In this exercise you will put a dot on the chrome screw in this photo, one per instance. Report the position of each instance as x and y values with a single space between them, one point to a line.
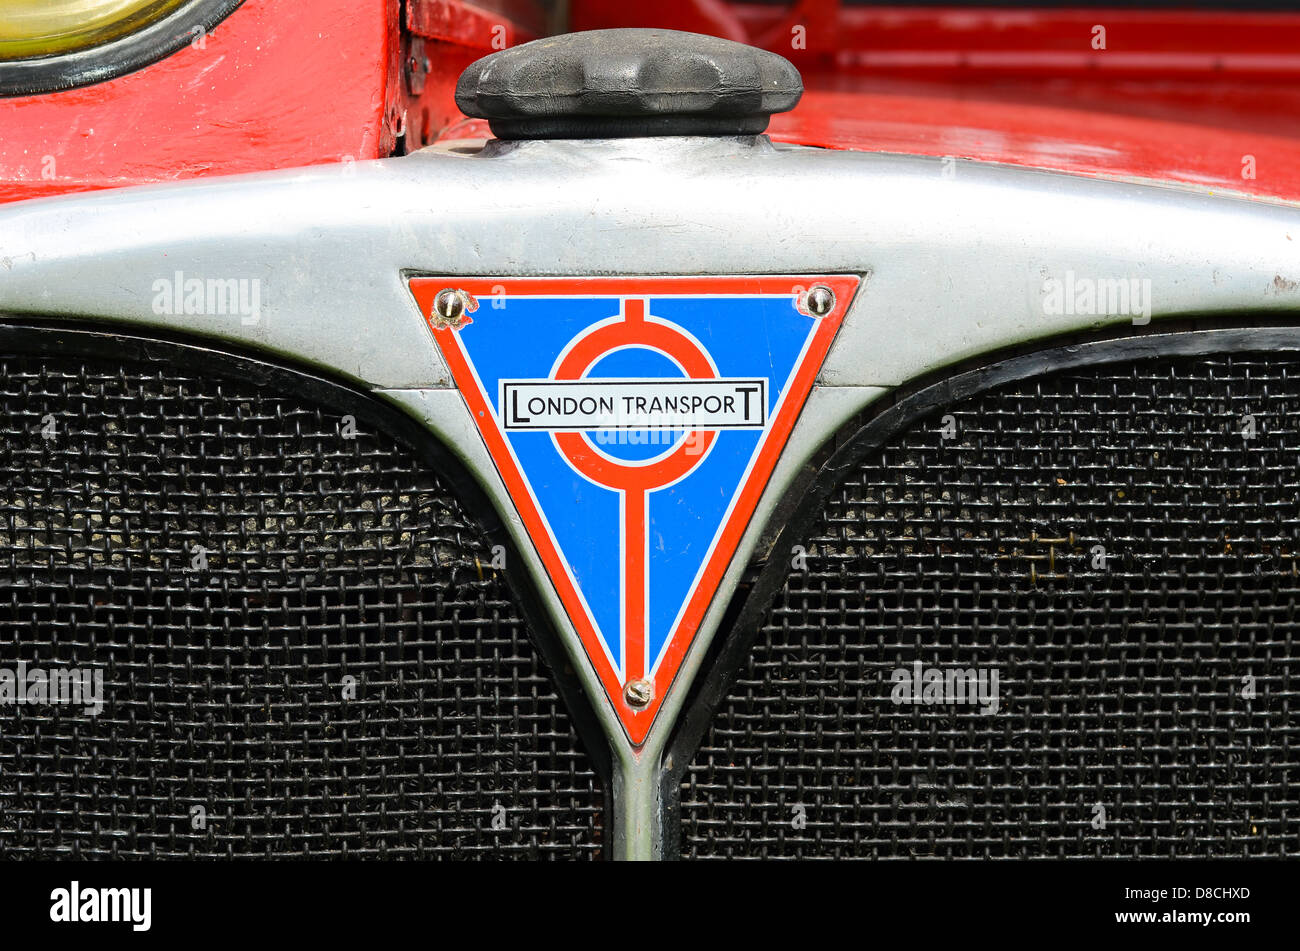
819 301
639 693
448 307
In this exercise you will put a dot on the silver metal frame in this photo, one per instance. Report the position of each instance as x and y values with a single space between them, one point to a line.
954 256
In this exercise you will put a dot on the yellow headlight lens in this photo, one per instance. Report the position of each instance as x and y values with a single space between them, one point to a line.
46 27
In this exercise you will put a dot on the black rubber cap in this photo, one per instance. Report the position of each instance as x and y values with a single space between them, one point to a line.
619 83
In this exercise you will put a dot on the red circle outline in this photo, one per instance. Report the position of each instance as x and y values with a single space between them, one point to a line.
582 356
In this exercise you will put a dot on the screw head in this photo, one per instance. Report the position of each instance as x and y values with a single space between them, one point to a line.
449 306
639 693
820 300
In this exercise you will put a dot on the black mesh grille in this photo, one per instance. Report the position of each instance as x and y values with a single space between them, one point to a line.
1123 728
304 646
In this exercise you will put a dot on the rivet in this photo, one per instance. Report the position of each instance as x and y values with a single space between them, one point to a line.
639 693
448 307
819 301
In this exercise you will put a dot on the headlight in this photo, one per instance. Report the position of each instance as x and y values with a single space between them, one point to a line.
49 45
47 27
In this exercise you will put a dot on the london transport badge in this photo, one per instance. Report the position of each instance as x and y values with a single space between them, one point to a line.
635 423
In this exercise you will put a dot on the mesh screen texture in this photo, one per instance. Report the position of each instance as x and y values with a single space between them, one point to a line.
1118 544
304 648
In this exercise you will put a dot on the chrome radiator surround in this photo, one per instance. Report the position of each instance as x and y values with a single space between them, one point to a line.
953 271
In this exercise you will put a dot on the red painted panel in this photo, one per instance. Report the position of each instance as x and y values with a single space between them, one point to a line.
1176 96
935 40
275 85
1089 143
268 90
713 17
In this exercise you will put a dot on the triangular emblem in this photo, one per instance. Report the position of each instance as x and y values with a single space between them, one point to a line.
635 422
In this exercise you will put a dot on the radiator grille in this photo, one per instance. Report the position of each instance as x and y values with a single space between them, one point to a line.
305 648
1119 544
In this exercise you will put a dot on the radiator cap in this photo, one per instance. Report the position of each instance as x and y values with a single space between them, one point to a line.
624 83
